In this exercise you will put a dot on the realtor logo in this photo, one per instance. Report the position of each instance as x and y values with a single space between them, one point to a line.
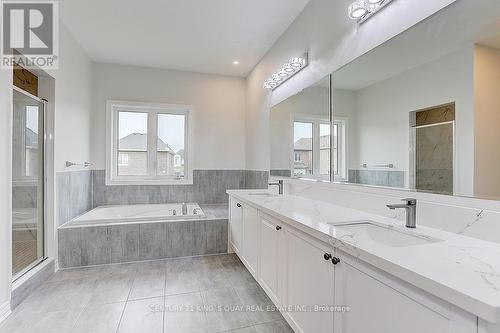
29 34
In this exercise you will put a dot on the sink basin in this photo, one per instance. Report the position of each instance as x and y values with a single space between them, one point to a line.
263 194
385 235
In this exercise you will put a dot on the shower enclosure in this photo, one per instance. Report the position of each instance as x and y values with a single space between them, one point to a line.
27 182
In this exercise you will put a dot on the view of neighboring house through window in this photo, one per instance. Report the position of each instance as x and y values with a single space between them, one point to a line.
132 144
302 149
311 149
150 143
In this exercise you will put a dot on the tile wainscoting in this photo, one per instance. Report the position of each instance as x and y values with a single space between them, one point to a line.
81 191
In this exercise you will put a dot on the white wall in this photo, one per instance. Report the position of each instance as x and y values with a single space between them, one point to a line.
219 115
379 118
332 40
487 122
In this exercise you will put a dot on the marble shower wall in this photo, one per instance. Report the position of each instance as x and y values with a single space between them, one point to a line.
81 191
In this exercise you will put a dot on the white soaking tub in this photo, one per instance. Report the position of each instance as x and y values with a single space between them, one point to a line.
107 215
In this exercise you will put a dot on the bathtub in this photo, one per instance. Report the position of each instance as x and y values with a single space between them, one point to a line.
108 215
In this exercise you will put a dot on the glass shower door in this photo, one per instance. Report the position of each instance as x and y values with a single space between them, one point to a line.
27 182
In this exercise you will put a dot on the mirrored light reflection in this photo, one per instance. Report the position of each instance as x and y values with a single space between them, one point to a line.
360 9
286 71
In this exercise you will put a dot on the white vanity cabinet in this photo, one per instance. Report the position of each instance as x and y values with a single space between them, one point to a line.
271 257
250 245
381 303
298 274
235 225
308 283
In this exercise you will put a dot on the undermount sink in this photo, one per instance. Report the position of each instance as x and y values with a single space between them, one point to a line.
385 234
263 194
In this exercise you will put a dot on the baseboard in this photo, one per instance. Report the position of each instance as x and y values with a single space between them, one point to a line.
4 311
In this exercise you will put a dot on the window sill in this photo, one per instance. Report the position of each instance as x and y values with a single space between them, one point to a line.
122 182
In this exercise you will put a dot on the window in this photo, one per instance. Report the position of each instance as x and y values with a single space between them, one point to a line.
339 165
148 143
311 147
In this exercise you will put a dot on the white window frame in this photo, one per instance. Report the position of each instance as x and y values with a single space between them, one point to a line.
343 175
153 110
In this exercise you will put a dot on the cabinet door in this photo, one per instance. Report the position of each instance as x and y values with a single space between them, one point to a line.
379 303
250 251
308 283
235 225
270 256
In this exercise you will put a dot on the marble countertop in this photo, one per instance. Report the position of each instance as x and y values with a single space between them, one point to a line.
461 270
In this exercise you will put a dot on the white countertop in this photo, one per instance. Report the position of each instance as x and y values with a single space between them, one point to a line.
461 270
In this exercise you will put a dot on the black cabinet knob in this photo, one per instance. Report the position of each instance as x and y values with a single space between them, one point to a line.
327 256
335 260
278 228
238 205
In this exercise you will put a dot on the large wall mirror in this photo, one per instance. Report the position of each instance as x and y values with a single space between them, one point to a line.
420 112
300 134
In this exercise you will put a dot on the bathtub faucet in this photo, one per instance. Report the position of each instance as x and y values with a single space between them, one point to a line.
184 209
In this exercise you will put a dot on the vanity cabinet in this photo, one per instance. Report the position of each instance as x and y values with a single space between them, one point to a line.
308 283
271 254
235 225
378 302
314 283
250 245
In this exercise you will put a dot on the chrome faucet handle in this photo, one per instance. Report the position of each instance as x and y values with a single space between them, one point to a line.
410 201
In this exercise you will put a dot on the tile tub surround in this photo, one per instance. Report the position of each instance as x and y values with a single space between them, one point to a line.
388 178
118 243
74 194
209 187
460 270
155 295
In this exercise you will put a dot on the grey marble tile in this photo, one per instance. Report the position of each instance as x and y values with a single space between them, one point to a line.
185 314
280 326
96 248
182 276
237 274
124 243
143 316
180 239
112 288
101 318
74 194
149 280
256 179
152 240
69 247
48 322
33 283
260 308
225 310
281 173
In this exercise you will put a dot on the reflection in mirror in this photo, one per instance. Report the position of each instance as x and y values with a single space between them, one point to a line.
300 134
422 112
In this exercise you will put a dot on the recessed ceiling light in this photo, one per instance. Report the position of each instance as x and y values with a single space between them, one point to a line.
236 62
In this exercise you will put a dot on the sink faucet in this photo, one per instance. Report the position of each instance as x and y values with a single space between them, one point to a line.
410 206
184 208
279 184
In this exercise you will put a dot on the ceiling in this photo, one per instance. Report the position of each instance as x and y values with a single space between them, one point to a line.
192 35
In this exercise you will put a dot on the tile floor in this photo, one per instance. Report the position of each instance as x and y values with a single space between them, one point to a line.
202 294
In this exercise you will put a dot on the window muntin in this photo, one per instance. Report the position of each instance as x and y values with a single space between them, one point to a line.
148 144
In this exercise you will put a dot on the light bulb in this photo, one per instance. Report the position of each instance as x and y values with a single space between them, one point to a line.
375 2
296 62
358 9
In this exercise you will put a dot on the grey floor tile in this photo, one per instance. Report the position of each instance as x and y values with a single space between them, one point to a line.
237 274
47 322
225 310
112 288
211 273
103 318
185 314
259 307
250 329
279 326
149 281
145 316
182 276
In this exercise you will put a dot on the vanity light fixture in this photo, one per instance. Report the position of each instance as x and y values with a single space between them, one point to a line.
362 10
292 67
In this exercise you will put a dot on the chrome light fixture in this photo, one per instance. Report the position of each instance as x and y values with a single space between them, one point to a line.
362 10
292 67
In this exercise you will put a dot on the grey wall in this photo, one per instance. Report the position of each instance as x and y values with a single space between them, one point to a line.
81 191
